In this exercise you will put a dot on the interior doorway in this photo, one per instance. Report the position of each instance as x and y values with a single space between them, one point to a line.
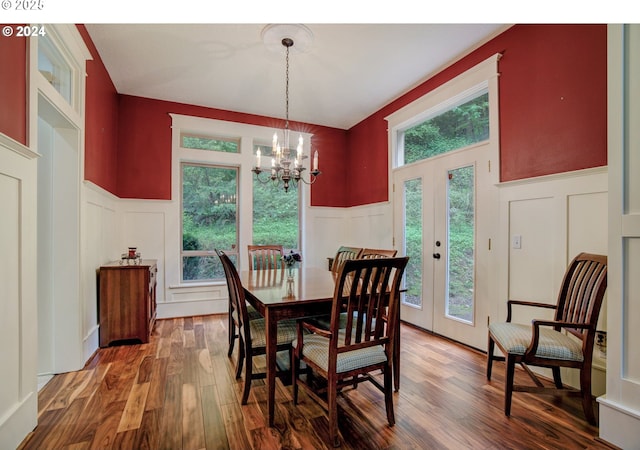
59 311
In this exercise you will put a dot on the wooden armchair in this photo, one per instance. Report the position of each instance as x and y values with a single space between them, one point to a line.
265 256
252 332
342 255
543 343
347 353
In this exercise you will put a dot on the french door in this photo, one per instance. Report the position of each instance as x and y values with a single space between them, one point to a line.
443 216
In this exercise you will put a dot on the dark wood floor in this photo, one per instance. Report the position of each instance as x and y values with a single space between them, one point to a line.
179 392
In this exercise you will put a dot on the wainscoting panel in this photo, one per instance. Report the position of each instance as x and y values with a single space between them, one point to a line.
544 223
18 301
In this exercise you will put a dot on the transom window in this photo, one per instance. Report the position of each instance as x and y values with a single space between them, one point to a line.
446 128
209 143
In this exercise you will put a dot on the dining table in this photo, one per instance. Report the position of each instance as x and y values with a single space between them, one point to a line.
293 293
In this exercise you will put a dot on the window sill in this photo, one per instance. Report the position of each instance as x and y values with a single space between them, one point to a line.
197 284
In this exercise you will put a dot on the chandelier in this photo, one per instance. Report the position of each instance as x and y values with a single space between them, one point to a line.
286 163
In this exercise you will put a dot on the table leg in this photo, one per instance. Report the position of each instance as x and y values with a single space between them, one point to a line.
272 341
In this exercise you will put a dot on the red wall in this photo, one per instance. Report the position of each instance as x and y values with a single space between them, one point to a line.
101 122
553 107
552 119
13 87
553 100
144 153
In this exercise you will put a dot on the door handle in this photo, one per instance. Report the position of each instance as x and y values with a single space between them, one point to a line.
436 256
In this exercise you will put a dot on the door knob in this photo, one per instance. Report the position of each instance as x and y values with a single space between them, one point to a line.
436 256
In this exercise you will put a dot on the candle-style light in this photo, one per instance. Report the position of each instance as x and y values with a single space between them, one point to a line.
286 165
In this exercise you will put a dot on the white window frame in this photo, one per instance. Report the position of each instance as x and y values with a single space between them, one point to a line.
244 160
483 76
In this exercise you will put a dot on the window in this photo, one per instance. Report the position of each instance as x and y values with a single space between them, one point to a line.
209 143
446 128
219 204
275 212
209 219
53 66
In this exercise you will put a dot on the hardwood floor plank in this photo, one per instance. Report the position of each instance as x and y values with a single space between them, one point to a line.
134 408
179 392
213 421
234 427
156 396
192 419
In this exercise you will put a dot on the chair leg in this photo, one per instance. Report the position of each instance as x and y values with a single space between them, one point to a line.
388 395
332 404
508 383
557 378
585 387
248 375
490 346
232 335
295 370
241 356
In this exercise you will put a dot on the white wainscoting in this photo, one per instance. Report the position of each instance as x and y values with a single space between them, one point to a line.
358 226
555 218
18 292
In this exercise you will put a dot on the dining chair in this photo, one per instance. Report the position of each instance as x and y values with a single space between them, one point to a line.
265 256
342 255
252 333
348 354
565 341
260 257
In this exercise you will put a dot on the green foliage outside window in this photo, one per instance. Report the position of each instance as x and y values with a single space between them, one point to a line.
209 213
456 128
275 215
205 143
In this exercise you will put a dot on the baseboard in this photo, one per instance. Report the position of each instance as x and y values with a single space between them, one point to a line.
619 425
191 308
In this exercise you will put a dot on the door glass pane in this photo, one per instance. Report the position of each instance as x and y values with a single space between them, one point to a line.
413 241
209 220
461 243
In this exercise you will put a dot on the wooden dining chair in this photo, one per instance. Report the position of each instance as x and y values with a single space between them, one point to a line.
369 253
565 341
342 255
348 354
265 256
252 332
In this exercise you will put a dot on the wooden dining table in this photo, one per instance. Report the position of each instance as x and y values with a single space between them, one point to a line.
279 294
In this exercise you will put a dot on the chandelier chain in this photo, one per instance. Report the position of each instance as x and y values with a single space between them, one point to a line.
286 125
286 166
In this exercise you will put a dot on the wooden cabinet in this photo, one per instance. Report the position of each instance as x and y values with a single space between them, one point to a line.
126 302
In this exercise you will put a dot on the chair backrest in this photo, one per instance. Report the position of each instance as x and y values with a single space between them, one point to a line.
368 290
343 254
265 256
377 253
238 310
581 293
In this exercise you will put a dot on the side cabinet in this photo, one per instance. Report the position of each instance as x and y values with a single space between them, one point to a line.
126 302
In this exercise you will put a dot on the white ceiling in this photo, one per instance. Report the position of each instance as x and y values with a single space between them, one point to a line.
348 71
